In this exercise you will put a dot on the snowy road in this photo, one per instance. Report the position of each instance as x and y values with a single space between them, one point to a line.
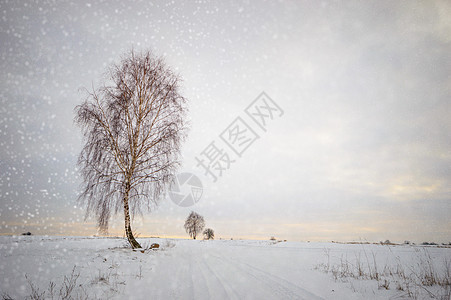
205 270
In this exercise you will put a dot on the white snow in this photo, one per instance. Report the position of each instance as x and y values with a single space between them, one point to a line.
196 269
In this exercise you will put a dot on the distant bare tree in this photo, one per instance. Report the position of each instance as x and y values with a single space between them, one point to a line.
194 224
133 129
209 234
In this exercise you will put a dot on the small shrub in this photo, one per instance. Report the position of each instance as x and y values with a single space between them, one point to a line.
209 234
101 278
5 296
385 284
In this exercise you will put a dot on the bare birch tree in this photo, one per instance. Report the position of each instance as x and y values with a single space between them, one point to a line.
133 127
194 224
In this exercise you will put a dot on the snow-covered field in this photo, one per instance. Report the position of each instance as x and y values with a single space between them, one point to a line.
104 268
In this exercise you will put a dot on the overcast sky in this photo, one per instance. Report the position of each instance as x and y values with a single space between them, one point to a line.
361 152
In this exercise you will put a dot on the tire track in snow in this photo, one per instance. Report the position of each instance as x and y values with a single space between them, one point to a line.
182 282
204 285
193 282
229 292
275 288
283 288
300 291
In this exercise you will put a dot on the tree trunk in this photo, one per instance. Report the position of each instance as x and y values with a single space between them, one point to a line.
128 229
